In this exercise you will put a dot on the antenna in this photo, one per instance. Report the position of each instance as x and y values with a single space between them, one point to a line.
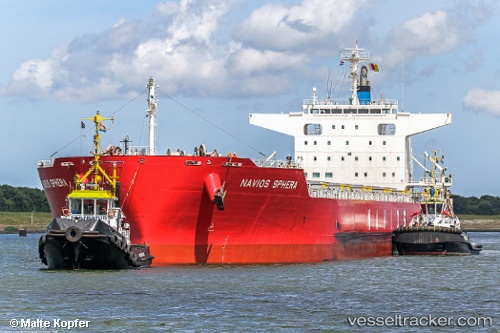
126 141
403 83
329 86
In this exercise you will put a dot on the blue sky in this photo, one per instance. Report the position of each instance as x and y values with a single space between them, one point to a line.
220 60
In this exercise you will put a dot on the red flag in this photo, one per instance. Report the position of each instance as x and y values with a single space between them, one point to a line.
374 67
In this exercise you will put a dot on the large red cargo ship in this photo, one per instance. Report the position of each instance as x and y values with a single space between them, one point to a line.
340 197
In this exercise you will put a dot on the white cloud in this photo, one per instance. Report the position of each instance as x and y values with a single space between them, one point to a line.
181 47
436 33
197 23
167 9
247 61
483 100
276 27
428 34
36 71
187 46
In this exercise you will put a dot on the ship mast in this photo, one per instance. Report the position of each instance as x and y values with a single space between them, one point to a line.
353 56
151 110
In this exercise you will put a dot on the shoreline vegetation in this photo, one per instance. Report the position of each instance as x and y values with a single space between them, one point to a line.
35 222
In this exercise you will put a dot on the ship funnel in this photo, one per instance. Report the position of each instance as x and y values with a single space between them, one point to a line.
364 87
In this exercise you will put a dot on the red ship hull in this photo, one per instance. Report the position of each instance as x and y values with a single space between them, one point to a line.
268 216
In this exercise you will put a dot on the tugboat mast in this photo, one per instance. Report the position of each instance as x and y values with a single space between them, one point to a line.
151 110
96 169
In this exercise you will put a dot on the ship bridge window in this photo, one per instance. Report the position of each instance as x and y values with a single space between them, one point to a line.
313 129
363 111
320 111
386 129
375 111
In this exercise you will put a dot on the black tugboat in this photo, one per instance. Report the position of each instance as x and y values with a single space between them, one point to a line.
92 232
435 229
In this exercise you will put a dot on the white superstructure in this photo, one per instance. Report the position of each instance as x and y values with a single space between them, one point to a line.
359 142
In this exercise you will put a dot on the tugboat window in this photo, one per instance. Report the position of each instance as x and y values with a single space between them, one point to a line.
88 206
76 206
102 207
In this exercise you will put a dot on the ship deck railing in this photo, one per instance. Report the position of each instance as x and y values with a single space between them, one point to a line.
45 163
345 103
356 194
141 150
428 182
84 216
285 164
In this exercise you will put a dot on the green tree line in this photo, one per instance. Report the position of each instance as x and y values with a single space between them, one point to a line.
22 199
484 205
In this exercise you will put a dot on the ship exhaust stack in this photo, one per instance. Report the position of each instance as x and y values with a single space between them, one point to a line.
364 87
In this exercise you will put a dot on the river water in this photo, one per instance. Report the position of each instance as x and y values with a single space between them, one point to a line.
392 294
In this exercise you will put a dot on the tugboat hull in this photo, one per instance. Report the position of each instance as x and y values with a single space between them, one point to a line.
89 244
433 241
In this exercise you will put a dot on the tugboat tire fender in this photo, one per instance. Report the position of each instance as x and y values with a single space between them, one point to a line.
116 240
73 234
123 245
134 259
43 240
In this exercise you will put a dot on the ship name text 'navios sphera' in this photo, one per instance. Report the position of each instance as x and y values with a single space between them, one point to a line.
347 187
